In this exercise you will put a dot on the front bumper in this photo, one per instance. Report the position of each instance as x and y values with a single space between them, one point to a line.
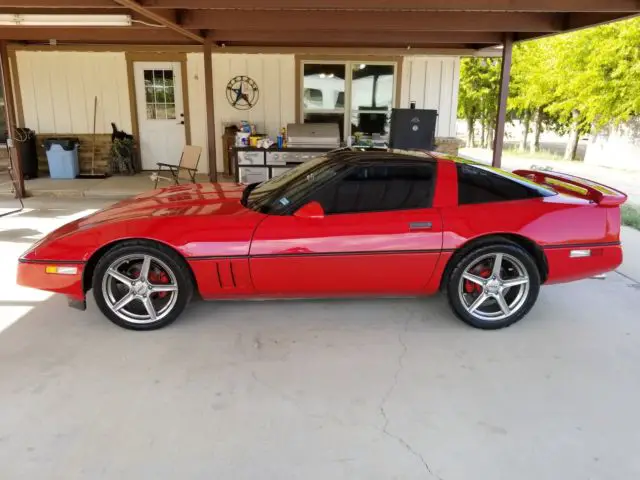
33 274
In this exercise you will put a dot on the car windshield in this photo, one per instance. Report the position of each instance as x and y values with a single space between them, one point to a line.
275 195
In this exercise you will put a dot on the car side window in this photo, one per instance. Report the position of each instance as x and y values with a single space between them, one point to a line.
476 186
379 188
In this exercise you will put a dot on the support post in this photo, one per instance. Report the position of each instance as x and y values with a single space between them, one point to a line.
211 126
10 118
505 74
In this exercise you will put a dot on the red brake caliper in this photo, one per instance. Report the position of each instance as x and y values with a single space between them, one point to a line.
159 278
471 287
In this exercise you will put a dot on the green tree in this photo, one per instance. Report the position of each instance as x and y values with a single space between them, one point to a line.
585 79
531 89
573 83
478 96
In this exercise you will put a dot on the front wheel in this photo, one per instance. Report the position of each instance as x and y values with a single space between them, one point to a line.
141 286
494 286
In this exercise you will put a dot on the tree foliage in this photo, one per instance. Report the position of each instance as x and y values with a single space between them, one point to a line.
574 82
478 96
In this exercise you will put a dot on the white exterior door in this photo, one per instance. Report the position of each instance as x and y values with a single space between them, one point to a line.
160 112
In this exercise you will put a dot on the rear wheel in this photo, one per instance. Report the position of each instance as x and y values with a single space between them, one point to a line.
141 286
494 286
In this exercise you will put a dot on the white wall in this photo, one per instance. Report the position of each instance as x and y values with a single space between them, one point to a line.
275 76
58 90
432 82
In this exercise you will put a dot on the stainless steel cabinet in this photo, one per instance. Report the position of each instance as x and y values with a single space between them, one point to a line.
251 158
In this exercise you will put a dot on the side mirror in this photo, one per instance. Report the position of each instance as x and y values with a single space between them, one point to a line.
310 210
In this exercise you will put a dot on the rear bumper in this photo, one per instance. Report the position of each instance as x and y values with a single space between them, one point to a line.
564 268
33 275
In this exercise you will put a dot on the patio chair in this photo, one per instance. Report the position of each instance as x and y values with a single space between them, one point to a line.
185 170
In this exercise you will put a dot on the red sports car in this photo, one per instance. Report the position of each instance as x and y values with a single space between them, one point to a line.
349 223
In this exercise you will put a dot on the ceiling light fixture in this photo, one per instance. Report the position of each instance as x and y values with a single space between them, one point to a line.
36 20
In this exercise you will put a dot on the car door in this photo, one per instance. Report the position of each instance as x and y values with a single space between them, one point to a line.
379 235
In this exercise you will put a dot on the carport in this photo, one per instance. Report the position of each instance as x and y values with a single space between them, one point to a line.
350 31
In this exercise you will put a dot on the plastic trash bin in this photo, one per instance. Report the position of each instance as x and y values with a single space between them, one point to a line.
62 156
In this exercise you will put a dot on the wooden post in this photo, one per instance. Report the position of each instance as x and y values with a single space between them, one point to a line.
211 126
505 73
10 118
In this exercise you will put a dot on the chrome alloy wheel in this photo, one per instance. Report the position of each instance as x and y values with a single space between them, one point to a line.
140 288
494 287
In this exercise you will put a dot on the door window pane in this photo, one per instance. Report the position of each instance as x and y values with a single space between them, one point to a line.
168 95
365 91
323 87
160 94
378 188
371 99
371 87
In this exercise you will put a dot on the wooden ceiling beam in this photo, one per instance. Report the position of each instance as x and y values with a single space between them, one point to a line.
168 14
351 37
575 21
444 5
143 35
582 20
373 21
159 18
567 6
57 4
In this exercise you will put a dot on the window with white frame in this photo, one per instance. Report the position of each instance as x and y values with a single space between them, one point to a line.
358 96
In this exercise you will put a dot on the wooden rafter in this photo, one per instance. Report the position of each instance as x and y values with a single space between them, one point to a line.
160 19
373 21
456 24
443 5
354 37
623 6
149 35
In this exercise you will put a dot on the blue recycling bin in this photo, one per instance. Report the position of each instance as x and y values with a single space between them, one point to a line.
62 156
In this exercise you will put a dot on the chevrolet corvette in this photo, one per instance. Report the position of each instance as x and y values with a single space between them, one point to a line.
346 224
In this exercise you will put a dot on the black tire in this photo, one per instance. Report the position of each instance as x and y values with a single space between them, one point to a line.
454 285
170 258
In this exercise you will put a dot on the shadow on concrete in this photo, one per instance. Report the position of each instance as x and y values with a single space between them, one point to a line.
19 234
52 319
19 303
48 212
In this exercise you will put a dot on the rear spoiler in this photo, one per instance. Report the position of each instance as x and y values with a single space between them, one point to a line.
576 186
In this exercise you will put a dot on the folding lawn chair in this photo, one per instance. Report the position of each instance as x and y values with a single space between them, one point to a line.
185 170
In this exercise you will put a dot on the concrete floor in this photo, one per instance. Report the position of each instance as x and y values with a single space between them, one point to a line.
358 389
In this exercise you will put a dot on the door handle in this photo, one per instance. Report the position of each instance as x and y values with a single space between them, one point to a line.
420 226
180 123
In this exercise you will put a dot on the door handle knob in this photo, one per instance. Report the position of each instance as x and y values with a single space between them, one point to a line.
420 226
180 123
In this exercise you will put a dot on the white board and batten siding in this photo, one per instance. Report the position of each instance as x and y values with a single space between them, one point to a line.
432 83
275 77
58 90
